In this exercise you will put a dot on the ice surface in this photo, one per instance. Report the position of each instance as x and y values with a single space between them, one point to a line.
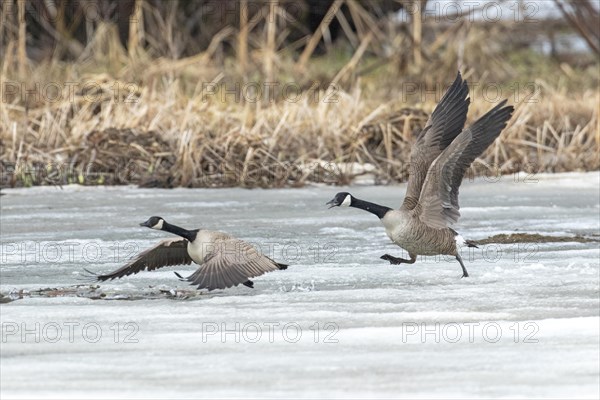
339 322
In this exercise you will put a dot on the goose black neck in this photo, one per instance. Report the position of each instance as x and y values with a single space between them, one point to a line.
176 230
373 208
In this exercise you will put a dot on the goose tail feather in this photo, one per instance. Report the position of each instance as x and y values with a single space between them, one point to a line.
471 243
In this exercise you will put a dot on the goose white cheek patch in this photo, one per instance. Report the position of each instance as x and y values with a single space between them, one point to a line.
159 225
347 201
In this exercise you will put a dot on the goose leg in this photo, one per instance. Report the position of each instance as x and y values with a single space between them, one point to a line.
397 260
465 273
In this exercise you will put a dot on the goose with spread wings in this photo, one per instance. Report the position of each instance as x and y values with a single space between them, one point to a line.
439 159
224 260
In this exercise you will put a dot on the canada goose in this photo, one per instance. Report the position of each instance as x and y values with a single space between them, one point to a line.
439 158
224 260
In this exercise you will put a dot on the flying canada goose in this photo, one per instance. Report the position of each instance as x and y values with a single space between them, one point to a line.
439 158
224 260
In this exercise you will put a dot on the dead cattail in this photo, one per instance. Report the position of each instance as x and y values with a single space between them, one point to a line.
316 36
243 37
22 57
270 48
136 28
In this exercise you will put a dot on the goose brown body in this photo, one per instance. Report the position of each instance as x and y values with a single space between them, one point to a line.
405 229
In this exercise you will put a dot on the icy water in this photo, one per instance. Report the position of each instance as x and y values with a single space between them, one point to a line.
339 322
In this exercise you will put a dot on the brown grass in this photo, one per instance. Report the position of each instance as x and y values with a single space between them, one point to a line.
126 116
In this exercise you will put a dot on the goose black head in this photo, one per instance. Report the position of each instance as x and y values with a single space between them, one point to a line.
154 223
343 199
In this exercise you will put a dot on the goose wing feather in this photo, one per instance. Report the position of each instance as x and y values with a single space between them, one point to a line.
444 125
233 261
438 203
166 253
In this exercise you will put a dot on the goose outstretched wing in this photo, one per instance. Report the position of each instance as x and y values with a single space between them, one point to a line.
232 262
166 253
444 125
438 203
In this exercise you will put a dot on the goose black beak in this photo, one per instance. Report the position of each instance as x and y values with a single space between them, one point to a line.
146 224
332 203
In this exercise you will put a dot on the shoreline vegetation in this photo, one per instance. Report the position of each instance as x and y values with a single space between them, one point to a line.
254 108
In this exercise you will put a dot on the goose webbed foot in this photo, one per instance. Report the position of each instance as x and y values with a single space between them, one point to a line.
393 260
397 260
